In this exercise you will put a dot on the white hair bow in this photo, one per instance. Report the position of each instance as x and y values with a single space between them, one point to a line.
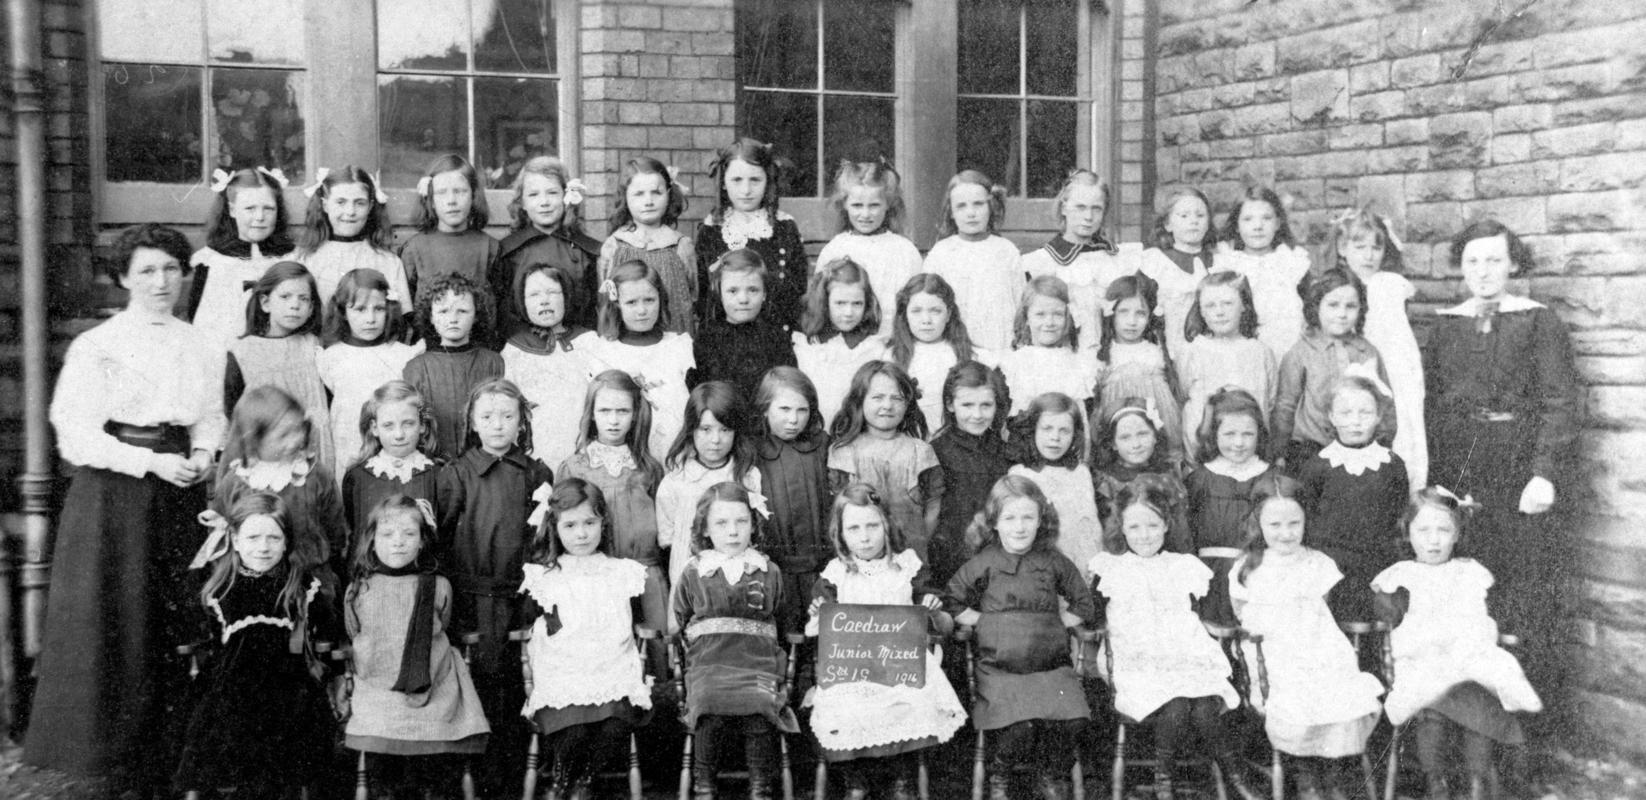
1366 370
1149 409
217 542
1467 501
423 185
377 184
575 189
427 508
540 496
277 174
320 176
220 180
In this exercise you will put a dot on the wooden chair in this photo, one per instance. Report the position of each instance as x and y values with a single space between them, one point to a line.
678 665
1079 640
645 638
1477 788
1225 636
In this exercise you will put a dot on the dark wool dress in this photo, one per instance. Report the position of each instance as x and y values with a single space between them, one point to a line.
735 662
445 376
1218 505
1502 407
363 489
1354 519
483 502
261 718
739 354
1024 669
971 465
430 254
787 269
795 478
312 503
575 253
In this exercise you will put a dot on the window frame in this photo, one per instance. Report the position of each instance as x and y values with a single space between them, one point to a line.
340 71
925 106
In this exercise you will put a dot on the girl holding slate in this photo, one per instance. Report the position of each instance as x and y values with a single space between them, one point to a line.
871 728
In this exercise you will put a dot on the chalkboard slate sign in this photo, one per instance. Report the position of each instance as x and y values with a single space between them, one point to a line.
873 644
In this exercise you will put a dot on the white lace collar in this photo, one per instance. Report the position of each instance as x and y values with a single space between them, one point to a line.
733 567
1355 460
611 458
656 239
695 471
591 564
737 228
384 465
906 562
1508 303
1239 472
272 476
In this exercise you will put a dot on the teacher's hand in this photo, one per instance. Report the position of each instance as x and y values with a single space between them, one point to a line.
1538 495
175 470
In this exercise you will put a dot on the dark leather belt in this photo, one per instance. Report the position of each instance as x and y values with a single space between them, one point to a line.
162 438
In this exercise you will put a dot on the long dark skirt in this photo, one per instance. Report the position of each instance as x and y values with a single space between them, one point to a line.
109 678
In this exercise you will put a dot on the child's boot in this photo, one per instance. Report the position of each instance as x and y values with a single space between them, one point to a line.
1236 778
1308 779
1435 787
582 788
1000 785
703 785
903 787
760 784
1056 786
1485 785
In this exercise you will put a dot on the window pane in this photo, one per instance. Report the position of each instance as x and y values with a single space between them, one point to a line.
988 47
859 45
856 129
515 119
777 44
422 34
153 116
265 32
258 119
514 35
988 139
1053 146
150 31
419 118
789 122
1053 48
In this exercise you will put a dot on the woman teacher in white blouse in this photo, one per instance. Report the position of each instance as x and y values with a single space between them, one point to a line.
139 411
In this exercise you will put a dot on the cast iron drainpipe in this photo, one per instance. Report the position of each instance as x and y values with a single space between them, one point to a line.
28 98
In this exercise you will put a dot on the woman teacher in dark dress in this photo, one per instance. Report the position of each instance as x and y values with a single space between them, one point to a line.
1502 415
138 410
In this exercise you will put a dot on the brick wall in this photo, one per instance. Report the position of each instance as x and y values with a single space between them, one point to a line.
658 79
1440 113
68 207
1132 202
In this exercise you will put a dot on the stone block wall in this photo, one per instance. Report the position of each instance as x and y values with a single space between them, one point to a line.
658 79
63 81
1439 113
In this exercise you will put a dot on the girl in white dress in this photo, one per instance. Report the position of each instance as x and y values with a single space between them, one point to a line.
929 338
1168 671
1045 356
981 265
1257 242
1450 675
869 199
247 236
347 228
871 725
1223 350
1361 241
1181 257
1319 707
363 323
588 684
837 331
548 358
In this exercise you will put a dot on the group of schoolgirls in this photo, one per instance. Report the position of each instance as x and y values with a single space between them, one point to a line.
882 429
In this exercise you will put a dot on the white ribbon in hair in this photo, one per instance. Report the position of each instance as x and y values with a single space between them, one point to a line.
377 186
1467 501
217 542
220 180
427 508
575 189
609 289
757 502
1149 410
1366 370
424 184
540 496
320 176
277 174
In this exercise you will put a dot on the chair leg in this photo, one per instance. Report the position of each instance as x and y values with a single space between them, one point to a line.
923 778
469 792
783 764
1218 778
686 767
1368 774
1277 777
636 792
1077 779
1394 764
192 794
820 779
528 784
362 785
1118 769
977 768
